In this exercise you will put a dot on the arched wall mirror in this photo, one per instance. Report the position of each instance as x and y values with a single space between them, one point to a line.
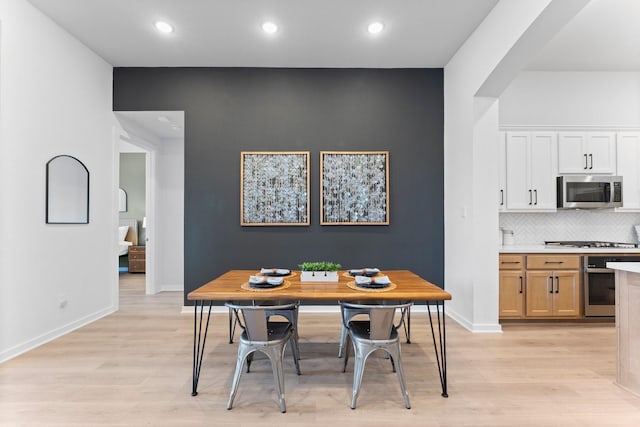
67 191
122 200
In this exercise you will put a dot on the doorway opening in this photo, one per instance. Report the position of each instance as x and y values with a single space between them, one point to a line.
151 172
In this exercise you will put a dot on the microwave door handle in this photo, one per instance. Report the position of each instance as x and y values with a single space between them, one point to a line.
609 193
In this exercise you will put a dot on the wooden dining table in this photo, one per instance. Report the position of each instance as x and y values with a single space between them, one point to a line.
405 286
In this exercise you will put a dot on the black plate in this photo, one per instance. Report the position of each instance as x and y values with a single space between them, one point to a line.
264 285
373 285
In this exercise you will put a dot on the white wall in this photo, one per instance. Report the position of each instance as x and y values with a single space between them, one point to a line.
579 99
55 98
471 179
170 221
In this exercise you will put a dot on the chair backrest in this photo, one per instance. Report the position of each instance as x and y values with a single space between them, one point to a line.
381 317
253 319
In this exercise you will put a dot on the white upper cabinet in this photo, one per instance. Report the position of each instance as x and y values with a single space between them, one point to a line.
531 166
587 153
629 168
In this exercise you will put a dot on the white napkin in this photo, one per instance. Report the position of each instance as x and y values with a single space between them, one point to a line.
257 279
362 280
275 280
382 280
371 270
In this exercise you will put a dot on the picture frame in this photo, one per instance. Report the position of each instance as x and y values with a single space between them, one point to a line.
274 188
354 188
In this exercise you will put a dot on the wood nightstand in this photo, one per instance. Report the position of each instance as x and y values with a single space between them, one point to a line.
137 259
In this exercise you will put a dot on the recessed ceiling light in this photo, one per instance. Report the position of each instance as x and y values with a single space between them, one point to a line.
163 119
269 27
163 27
375 27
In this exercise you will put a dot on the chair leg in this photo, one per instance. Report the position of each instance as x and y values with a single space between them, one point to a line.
343 339
276 354
242 354
359 361
347 347
395 355
296 353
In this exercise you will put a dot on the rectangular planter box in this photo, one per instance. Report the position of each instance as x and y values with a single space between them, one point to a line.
319 276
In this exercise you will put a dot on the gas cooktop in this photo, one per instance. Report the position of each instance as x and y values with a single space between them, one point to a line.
588 244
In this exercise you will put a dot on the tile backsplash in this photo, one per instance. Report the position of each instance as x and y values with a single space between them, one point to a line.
599 225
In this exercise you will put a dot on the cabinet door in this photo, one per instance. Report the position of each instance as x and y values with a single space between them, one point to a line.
543 159
566 293
502 174
511 294
572 156
628 160
517 157
539 294
601 152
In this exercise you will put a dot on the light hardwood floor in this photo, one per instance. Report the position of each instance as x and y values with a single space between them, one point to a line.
133 368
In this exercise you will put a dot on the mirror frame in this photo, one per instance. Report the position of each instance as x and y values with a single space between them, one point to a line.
78 210
122 200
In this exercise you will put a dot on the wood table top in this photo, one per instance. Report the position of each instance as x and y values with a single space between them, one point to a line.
409 287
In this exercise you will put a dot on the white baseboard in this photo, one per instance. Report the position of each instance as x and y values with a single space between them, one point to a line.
56 333
176 287
474 327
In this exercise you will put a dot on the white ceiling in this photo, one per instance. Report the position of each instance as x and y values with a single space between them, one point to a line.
313 33
604 36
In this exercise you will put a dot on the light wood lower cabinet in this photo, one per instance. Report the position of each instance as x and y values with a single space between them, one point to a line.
511 294
553 293
529 288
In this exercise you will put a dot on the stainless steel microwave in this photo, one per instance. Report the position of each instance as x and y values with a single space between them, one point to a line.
589 191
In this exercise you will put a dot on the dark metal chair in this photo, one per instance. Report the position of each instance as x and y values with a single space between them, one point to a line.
261 333
378 332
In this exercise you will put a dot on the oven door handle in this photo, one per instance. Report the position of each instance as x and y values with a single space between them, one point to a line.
600 270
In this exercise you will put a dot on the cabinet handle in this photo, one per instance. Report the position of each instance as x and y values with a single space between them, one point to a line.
530 198
591 161
501 197
535 194
520 284
554 262
509 262
557 284
586 162
550 277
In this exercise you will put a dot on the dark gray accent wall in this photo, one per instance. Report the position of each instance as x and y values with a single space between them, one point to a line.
229 110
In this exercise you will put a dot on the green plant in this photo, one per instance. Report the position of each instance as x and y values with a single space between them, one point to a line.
319 266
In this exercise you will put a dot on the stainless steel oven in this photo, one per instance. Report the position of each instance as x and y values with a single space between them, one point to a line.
600 284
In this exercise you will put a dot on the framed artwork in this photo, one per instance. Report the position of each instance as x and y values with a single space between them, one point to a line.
274 188
354 187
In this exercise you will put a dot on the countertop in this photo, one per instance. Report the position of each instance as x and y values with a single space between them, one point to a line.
518 249
633 267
